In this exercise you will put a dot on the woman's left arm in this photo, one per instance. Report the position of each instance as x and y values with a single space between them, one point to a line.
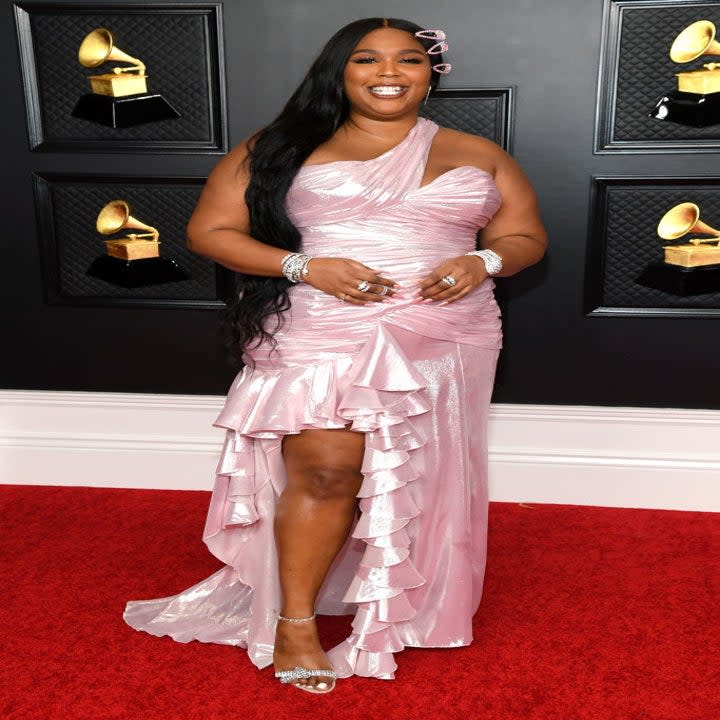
515 233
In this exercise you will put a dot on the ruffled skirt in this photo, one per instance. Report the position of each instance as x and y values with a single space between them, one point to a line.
412 570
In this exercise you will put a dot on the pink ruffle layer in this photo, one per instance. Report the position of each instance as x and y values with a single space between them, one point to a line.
378 393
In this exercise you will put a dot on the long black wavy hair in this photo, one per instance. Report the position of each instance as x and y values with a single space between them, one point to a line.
311 116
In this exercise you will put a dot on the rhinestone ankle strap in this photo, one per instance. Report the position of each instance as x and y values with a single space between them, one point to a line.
296 620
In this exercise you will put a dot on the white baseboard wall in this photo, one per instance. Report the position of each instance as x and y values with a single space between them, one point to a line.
578 455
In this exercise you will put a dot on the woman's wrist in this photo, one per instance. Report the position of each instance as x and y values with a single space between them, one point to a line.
294 266
493 262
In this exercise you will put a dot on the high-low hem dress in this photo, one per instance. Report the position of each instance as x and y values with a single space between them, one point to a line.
414 377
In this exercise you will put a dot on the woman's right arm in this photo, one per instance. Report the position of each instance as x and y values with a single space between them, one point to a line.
220 224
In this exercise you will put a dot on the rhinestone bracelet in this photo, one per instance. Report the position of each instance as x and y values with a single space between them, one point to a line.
294 266
493 262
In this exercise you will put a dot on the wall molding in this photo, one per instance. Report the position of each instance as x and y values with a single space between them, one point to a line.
580 455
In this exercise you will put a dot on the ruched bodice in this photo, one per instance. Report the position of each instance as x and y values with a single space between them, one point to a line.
375 211
414 377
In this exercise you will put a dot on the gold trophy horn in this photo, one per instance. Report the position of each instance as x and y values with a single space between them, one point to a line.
697 252
98 47
115 216
695 40
681 220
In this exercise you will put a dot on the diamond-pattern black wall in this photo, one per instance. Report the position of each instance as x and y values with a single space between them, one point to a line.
480 112
71 242
627 215
63 331
637 57
179 49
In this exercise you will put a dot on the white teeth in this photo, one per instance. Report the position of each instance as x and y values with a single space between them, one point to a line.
387 90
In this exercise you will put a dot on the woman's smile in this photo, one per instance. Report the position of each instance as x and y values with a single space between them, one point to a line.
388 91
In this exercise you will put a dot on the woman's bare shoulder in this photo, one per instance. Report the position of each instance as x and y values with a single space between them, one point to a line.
234 166
468 149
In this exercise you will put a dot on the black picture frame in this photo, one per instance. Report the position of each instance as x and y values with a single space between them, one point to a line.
487 112
66 209
635 71
190 75
622 242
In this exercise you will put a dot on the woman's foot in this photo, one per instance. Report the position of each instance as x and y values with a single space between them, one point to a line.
297 646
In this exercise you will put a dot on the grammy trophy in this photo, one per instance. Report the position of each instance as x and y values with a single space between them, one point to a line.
118 98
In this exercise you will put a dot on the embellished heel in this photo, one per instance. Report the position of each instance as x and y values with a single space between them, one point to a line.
298 673
291 677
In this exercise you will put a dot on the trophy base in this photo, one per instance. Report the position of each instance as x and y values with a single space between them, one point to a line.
122 112
136 273
687 108
678 280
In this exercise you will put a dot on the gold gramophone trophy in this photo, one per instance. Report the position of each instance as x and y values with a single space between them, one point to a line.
692 267
133 260
118 98
696 102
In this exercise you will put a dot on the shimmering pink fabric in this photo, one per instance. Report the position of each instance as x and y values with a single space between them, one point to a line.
415 378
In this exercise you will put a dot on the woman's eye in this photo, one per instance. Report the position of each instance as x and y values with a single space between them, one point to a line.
412 61
364 60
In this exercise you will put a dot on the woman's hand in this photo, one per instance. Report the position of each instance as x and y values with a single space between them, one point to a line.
468 271
348 280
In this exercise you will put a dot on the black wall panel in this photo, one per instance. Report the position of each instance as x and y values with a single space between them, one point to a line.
548 54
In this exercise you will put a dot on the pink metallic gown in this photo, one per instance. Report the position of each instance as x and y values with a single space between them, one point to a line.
415 378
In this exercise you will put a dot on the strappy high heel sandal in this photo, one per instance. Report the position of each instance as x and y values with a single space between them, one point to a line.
291 677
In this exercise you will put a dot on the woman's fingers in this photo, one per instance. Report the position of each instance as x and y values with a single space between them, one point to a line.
374 288
445 283
368 292
350 280
452 281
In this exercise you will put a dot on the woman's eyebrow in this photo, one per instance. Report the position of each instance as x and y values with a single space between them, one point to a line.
377 52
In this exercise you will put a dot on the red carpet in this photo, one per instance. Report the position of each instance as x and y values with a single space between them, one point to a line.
588 613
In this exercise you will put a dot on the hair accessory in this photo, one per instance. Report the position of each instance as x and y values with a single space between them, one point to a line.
439 47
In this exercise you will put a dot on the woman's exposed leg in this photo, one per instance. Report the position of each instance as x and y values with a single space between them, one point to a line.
313 518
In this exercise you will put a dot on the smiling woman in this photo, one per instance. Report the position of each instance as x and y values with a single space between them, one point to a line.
354 475
389 73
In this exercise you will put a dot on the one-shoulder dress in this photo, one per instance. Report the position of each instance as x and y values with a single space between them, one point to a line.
414 377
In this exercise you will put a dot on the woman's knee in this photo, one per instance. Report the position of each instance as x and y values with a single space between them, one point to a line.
330 482
324 464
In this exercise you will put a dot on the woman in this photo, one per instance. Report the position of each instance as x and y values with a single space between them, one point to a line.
353 478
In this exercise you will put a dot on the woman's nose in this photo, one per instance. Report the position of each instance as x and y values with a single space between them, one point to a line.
387 68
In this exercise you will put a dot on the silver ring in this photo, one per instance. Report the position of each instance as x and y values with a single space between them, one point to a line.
449 280
383 290
363 286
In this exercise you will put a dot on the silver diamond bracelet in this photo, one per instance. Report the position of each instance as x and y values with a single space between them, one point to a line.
294 266
493 262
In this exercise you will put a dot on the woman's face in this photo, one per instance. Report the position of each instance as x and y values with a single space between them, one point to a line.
387 75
